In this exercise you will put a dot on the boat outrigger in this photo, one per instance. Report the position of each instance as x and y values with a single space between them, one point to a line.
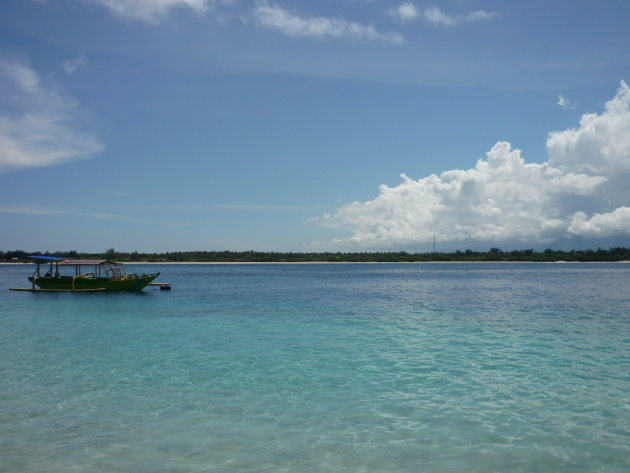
89 275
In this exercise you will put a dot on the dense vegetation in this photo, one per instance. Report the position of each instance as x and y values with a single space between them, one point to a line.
494 254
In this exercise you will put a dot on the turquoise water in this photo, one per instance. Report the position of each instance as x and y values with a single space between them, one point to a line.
322 368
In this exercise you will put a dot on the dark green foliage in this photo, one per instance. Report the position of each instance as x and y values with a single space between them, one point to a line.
494 254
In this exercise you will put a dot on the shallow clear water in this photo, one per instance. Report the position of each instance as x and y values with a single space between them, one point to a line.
322 368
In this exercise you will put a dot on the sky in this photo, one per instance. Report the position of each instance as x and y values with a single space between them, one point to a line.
329 125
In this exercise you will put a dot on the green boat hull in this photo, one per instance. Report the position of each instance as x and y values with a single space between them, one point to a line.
130 282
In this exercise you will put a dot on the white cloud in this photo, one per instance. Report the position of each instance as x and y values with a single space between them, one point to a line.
21 76
502 198
153 10
276 18
72 65
505 199
612 223
480 15
437 17
408 11
564 102
601 144
38 127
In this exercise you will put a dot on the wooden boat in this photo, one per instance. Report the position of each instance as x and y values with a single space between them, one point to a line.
83 275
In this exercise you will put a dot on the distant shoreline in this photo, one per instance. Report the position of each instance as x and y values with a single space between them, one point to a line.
368 262
349 262
494 255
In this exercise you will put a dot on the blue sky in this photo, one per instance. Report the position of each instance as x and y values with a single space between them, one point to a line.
286 125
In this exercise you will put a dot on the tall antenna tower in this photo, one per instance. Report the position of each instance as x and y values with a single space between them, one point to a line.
434 242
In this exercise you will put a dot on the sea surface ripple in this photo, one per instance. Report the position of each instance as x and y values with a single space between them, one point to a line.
322 368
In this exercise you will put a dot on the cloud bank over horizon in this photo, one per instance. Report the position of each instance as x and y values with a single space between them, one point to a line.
38 126
581 191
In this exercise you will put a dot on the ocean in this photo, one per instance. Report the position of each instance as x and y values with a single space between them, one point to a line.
321 368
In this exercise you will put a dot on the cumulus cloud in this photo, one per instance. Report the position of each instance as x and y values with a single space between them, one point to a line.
38 126
601 144
435 16
276 18
613 223
581 190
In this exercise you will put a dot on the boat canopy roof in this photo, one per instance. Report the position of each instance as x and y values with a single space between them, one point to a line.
45 258
92 262
70 262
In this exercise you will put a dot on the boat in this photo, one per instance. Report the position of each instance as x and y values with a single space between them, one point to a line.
56 274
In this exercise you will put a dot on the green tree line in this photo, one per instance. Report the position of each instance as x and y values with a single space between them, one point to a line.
494 254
